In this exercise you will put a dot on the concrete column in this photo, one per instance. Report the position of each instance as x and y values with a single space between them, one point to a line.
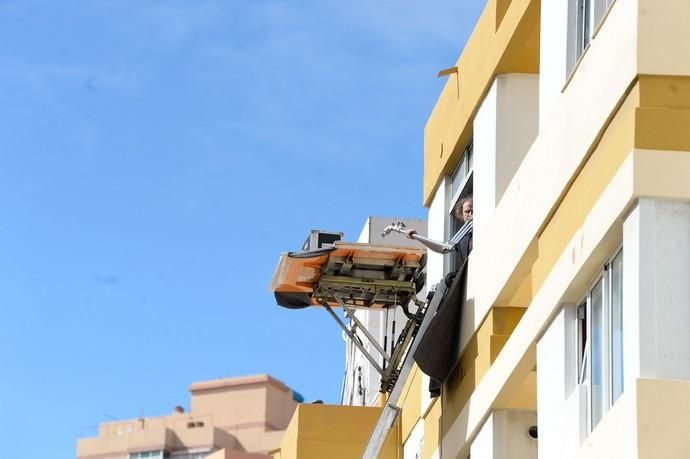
560 400
656 291
504 436
505 126
437 221
556 53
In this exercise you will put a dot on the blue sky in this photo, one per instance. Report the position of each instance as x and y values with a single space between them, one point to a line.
155 159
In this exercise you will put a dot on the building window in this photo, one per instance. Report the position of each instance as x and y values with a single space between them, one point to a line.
584 25
158 454
462 172
588 14
461 184
191 455
600 341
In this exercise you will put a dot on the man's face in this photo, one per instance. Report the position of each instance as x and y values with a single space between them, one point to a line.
467 210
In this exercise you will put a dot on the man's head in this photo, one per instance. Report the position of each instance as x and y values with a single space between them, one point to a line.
463 209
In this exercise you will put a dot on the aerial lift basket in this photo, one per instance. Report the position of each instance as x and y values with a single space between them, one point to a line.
355 276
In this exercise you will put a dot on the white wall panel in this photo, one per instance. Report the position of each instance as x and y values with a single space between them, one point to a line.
553 55
504 128
558 396
656 290
504 436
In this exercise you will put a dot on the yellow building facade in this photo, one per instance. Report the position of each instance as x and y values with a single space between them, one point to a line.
569 123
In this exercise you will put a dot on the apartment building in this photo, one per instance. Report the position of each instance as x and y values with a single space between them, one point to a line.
569 123
229 418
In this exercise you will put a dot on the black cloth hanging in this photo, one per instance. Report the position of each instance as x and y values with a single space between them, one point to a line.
437 351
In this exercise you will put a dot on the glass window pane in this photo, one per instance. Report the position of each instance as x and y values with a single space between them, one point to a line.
596 337
458 176
599 8
160 454
582 343
583 25
617 327
453 257
462 169
469 154
587 18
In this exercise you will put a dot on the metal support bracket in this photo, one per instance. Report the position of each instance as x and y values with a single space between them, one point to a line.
355 339
350 314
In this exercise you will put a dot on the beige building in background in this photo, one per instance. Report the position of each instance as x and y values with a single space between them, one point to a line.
230 418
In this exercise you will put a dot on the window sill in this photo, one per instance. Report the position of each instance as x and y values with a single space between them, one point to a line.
576 66
594 35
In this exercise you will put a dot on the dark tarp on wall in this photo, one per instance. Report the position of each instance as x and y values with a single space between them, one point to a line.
437 351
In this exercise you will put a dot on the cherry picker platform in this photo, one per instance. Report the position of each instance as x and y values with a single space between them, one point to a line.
354 276
373 276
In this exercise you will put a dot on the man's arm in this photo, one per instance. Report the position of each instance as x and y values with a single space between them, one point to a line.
442 247
439 247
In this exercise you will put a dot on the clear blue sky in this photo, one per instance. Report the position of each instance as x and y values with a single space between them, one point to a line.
155 159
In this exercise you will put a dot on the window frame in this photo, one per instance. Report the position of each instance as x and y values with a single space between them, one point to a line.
585 357
612 396
583 26
585 18
464 187
195 453
466 160
152 454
